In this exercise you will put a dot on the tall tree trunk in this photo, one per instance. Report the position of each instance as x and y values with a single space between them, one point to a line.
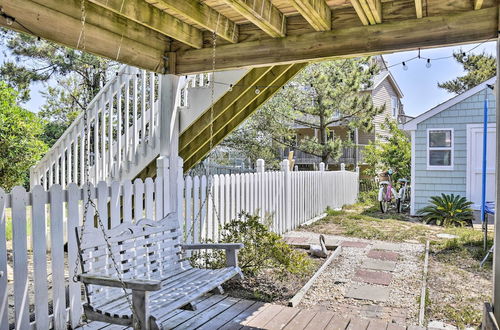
322 138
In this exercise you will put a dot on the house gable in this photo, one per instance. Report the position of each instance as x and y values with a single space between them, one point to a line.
382 94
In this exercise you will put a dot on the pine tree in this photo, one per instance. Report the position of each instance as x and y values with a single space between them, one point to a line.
324 94
478 68
70 77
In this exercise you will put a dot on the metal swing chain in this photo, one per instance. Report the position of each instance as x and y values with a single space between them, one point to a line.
89 202
211 143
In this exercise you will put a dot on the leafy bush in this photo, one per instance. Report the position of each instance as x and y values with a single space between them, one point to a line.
389 152
368 197
448 210
263 249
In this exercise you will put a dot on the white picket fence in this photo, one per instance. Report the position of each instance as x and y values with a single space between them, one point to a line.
38 282
288 199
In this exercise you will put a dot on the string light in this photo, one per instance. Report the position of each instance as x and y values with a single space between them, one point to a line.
231 87
465 58
257 90
428 64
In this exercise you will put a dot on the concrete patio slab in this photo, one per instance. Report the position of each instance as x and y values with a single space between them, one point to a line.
368 292
377 264
383 255
354 244
387 246
373 277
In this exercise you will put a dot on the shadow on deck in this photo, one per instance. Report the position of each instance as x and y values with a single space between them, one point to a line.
223 312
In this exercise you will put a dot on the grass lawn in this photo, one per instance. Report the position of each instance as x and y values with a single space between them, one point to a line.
457 287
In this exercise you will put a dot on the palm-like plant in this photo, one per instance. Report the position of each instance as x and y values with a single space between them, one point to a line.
448 210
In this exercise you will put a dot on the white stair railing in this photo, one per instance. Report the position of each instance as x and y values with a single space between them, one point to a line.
123 127
123 132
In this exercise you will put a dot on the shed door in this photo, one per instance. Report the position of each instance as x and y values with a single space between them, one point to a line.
474 163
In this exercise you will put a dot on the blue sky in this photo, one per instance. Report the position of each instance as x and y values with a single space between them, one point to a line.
418 83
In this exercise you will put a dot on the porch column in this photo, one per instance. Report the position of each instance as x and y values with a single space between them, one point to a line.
169 140
496 252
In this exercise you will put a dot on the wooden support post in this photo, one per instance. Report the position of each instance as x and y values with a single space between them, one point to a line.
141 309
169 138
496 253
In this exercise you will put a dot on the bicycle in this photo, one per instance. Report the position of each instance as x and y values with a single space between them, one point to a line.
404 196
387 195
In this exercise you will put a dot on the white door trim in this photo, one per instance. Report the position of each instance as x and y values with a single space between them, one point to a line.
468 177
413 184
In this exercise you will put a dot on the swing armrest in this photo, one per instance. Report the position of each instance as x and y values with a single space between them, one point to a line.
133 284
218 246
231 250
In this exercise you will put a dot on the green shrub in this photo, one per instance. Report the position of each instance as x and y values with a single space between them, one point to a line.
368 197
263 249
448 210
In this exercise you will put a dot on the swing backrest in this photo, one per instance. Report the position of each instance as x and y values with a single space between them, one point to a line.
144 250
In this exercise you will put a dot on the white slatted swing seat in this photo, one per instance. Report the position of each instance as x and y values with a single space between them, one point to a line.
151 265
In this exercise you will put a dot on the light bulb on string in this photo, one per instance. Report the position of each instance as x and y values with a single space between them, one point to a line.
257 90
9 20
67 59
428 64
231 87
405 67
464 57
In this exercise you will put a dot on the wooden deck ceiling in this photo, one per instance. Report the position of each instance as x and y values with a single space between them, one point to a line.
176 36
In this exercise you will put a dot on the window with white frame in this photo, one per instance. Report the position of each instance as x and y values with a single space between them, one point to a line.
440 148
394 106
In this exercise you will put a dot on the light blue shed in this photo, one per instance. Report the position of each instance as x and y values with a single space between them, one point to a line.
447 148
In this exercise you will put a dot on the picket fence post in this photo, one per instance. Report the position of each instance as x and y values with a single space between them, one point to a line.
322 193
285 167
260 190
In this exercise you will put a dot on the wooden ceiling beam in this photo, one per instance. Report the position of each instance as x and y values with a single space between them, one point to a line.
369 11
261 13
64 26
419 9
356 4
478 4
201 14
431 31
154 18
316 12
375 7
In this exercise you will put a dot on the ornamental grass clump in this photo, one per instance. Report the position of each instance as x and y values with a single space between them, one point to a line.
448 210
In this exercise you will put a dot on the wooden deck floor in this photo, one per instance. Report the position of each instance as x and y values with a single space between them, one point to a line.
223 312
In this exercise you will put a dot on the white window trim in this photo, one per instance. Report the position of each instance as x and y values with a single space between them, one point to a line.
452 148
394 107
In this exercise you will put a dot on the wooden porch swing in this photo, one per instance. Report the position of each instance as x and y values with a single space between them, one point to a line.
144 260
150 259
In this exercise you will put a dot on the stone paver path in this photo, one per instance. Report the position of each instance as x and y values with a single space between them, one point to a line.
369 278
373 277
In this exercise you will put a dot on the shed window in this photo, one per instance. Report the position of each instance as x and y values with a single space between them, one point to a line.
440 149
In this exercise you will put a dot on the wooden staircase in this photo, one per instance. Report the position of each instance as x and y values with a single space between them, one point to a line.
124 122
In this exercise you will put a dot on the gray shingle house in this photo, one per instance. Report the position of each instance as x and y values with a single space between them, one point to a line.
447 148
